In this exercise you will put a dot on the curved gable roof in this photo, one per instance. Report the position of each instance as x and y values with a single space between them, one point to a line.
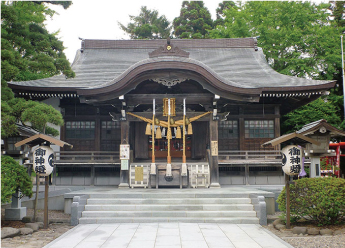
235 65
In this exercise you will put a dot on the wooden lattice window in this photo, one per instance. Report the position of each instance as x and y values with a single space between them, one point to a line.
110 135
80 130
228 135
259 129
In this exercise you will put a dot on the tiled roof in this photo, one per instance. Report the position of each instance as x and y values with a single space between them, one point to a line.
235 62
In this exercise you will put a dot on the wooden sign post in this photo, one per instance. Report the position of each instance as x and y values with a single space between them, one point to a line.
43 161
291 165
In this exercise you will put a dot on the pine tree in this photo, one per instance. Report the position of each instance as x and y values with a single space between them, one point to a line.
194 21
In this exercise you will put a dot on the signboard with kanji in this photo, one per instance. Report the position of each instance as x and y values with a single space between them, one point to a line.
43 160
214 148
124 152
292 160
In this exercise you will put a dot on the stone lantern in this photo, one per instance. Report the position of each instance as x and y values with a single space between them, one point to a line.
322 132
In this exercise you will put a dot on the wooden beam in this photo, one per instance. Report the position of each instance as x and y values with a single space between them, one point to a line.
134 99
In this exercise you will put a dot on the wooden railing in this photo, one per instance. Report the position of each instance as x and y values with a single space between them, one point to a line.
250 155
113 157
86 157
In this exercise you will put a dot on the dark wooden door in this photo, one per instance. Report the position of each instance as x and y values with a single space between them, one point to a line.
199 139
141 149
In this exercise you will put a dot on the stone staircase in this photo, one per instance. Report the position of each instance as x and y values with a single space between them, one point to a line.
169 206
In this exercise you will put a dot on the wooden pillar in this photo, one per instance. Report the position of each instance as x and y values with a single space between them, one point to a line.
287 188
214 170
277 125
246 174
97 134
46 191
124 174
241 130
92 175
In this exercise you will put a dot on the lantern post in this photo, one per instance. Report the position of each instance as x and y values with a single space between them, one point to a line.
291 165
43 163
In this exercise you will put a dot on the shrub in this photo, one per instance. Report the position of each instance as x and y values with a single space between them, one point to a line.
13 177
320 199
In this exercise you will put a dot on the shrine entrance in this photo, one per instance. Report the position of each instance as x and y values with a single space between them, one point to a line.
166 141
196 144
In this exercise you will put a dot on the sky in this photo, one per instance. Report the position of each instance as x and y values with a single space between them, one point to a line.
99 19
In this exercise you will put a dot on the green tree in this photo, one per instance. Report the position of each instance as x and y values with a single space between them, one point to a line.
322 108
35 114
298 39
13 178
28 52
338 11
220 11
194 21
148 25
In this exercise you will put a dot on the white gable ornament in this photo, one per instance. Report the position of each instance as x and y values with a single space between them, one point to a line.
43 161
292 160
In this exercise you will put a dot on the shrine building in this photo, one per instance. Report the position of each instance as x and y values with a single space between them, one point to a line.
187 113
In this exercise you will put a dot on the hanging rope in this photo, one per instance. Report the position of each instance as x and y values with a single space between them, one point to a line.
165 123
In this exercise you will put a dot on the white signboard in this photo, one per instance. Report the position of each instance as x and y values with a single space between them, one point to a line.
43 160
292 159
124 152
124 164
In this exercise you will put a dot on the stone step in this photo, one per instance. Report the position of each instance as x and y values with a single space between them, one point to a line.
132 214
229 220
169 194
170 201
161 207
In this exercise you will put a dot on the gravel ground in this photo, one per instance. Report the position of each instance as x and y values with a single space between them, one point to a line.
40 238
308 241
337 241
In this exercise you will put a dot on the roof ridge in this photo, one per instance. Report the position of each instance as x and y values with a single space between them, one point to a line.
250 42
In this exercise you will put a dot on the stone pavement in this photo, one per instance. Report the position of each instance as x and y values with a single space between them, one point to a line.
168 235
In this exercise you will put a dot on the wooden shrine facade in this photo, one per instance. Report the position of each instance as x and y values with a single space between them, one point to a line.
91 128
227 78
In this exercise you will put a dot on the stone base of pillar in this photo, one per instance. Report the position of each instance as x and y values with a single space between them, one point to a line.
168 172
215 185
184 169
123 186
153 169
15 213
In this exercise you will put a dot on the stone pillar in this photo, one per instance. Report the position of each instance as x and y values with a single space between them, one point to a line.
314 167
16 212
124 174
214 170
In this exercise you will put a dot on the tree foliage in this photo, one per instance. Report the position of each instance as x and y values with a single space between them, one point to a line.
295 36
34 113
225 5
316 110
28 52
298 39
148 25
194 21
13 178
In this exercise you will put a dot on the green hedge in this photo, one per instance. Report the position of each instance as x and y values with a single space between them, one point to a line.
320 199
13 177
